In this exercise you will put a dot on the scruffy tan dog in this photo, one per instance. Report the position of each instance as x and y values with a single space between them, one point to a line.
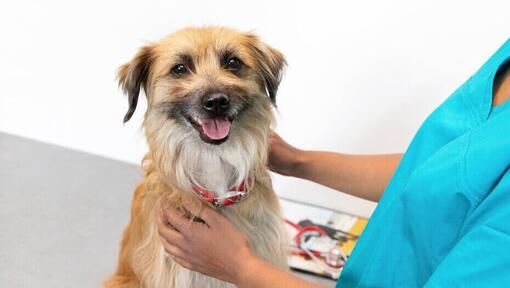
210 93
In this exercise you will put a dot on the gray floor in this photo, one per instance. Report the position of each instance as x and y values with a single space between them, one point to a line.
61 215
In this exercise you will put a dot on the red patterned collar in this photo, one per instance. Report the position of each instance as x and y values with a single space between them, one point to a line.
234 195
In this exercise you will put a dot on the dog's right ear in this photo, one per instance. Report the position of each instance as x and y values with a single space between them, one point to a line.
134 75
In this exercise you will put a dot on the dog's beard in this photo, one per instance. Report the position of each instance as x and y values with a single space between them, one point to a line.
186 159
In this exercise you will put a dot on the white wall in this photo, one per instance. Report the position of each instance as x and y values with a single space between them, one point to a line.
362 75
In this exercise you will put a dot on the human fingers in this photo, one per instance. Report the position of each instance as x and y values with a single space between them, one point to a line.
172 217
172 250
169 234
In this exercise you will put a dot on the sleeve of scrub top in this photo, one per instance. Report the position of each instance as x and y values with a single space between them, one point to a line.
481 258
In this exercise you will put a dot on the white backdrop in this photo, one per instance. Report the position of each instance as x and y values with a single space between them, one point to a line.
362 74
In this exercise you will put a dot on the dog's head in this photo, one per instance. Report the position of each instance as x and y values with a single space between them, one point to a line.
209 88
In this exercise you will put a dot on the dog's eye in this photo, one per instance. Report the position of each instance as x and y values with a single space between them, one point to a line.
179 70
234 64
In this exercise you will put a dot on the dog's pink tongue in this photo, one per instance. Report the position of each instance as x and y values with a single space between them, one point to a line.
216 128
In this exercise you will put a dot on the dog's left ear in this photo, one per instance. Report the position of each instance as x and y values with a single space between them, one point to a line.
271 64
134 75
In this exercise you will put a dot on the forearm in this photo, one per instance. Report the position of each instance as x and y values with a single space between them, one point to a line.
364 176
259 274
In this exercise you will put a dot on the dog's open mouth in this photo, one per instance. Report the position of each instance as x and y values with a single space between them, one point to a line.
212 130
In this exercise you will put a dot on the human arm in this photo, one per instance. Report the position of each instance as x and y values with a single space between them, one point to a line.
208 249
364 176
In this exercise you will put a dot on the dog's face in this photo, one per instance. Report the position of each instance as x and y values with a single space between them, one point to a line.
206 87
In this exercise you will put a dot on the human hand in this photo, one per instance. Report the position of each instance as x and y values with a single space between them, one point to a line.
283 159
215 248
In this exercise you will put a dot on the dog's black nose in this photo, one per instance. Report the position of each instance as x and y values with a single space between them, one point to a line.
216 103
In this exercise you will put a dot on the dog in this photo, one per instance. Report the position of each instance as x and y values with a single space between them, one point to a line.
211 95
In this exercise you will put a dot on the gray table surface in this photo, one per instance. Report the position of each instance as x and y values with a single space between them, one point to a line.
61 215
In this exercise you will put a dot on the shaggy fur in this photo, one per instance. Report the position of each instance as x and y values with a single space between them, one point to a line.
179 157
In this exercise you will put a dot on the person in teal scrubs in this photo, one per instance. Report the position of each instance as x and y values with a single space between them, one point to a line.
443 219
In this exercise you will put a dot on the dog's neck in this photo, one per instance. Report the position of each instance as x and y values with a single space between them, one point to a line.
215 175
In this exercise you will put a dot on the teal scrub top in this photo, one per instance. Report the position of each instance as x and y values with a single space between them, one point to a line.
444 219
